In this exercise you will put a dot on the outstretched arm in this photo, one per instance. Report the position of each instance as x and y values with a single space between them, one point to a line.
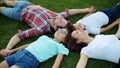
8 52
58 61
19 48
23 34
13 41
88 14
110 26
79 11
82 61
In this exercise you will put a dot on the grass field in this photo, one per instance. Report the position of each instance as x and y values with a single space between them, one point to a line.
9 27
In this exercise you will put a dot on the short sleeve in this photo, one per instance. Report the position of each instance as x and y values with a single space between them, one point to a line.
86 51
62 49
93 30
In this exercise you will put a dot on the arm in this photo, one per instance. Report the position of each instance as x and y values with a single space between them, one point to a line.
58 61
79 11
19 48
39 30
110 26
13 41
21 36
118 31
88 14
7 52
82 61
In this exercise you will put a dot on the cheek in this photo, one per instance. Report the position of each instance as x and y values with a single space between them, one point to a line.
62 37
57 21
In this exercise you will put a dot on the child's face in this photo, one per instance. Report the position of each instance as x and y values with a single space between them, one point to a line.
79 35
80 26
59 22
61 34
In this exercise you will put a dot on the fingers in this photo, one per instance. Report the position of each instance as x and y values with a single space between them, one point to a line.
92 9
4 52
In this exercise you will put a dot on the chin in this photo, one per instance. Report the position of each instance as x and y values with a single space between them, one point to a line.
55 34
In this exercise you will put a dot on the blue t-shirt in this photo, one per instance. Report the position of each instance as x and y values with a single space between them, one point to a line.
45 48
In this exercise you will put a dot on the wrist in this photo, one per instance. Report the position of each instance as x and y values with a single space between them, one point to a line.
8 47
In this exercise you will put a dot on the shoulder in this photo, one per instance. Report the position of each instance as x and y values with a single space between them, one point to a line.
44 37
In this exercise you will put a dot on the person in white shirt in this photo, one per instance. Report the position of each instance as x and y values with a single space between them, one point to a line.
93 22
103 47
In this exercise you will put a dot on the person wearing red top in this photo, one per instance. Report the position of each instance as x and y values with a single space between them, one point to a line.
40 19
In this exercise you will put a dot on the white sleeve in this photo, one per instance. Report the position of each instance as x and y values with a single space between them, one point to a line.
93 30
86 51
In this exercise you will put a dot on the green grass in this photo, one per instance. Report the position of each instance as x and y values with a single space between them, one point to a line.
9 27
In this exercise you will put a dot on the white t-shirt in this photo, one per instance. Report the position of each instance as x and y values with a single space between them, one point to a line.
105 47
94 22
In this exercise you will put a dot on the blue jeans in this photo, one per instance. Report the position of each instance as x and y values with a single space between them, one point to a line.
112 13
22 59
15 12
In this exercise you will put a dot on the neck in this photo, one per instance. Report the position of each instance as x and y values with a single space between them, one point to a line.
88 40
56 40
79 26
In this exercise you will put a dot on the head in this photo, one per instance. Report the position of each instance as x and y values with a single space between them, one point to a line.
79 26
77 40
59 22
80 36
63 35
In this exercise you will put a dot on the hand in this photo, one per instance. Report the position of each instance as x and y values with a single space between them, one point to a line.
4 52
91 9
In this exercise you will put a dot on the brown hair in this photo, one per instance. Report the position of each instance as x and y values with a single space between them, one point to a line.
70 28
69 41
75 46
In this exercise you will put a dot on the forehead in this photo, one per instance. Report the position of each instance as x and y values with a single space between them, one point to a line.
65 30
74 33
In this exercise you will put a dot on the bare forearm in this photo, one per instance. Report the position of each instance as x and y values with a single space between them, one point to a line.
77 11
13 41
88 14
108 27
82 61
58 61
19 48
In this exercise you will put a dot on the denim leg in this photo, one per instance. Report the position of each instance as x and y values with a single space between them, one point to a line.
112 13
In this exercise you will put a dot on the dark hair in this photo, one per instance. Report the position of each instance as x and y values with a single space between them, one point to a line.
70 28
69 41
75 46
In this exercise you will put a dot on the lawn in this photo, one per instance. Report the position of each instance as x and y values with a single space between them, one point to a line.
9 27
